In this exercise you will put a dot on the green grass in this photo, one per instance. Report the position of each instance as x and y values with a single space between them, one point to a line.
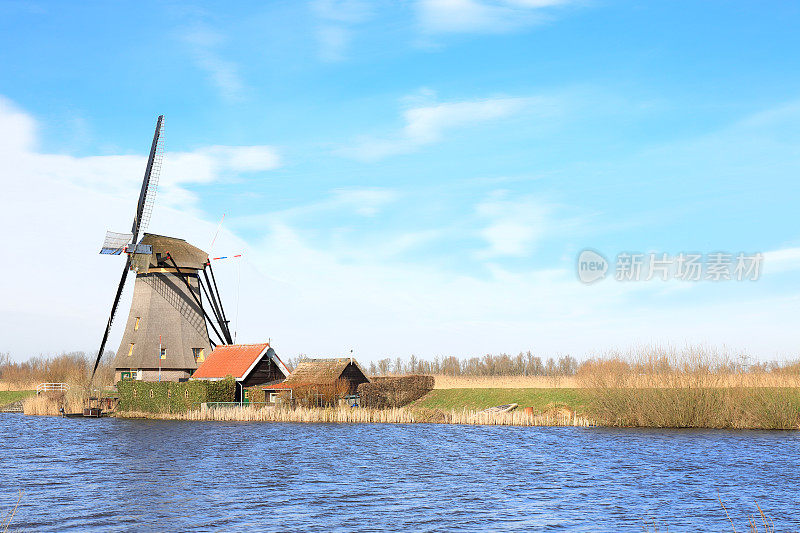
7 397
698 407
539 399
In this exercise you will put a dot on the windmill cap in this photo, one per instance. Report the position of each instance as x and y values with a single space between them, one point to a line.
184 254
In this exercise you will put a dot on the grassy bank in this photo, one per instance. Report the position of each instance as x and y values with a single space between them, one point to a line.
11 396
686 406
721 408
479 398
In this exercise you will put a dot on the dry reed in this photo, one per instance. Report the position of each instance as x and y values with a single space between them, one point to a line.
556 417
73 368
504 382
7 520
51 403
688 388
17 386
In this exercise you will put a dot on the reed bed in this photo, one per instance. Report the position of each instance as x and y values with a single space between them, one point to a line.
346 415
51 403
691 388
504 382
629 379
7 386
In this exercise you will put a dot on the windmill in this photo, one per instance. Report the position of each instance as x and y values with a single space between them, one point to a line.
166 335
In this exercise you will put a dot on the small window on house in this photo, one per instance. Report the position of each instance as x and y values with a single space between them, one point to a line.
136 324
130 350
199 355
163 353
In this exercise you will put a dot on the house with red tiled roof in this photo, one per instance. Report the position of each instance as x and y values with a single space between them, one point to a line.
248 364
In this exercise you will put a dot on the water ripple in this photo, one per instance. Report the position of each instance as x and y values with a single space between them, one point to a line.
130 475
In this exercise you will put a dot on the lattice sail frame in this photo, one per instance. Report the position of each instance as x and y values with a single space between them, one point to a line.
115 243
155 174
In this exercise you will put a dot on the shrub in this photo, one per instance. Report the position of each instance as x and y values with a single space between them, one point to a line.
385 392
256 394
321 394
171 397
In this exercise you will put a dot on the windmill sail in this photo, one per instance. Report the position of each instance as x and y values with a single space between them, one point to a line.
147 194
115 243
144 208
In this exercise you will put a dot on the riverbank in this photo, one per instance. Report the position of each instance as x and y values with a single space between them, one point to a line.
675 407
540 399
712 408
684 406
347 415
12 396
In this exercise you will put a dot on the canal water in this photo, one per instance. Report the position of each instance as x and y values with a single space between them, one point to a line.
132 475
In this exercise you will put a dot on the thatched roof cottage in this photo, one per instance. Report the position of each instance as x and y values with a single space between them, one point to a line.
321 380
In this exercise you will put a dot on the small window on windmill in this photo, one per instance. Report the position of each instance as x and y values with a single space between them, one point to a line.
199 355
136 324
130 350
163 353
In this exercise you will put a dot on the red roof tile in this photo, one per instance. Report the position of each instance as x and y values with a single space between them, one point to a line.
230 360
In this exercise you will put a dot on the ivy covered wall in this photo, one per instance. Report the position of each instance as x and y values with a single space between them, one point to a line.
171 397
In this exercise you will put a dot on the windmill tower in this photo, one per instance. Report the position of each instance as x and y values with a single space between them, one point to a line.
166 335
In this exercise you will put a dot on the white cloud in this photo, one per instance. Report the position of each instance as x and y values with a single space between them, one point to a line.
321 302
783 260
428 124
481 16
337 20
55 210
324 299
203 44
365 201
515 224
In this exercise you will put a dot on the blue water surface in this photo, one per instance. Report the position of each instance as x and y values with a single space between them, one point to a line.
144 475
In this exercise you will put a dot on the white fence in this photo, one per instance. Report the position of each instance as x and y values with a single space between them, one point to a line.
52 387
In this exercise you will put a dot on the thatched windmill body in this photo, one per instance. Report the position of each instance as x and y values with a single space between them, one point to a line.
167 332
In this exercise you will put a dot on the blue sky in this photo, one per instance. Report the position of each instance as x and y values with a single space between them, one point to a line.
412 177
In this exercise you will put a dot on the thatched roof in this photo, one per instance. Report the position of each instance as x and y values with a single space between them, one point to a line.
322 371
184 254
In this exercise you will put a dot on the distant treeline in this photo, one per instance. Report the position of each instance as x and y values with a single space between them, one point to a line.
647 360
68 367
522 364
